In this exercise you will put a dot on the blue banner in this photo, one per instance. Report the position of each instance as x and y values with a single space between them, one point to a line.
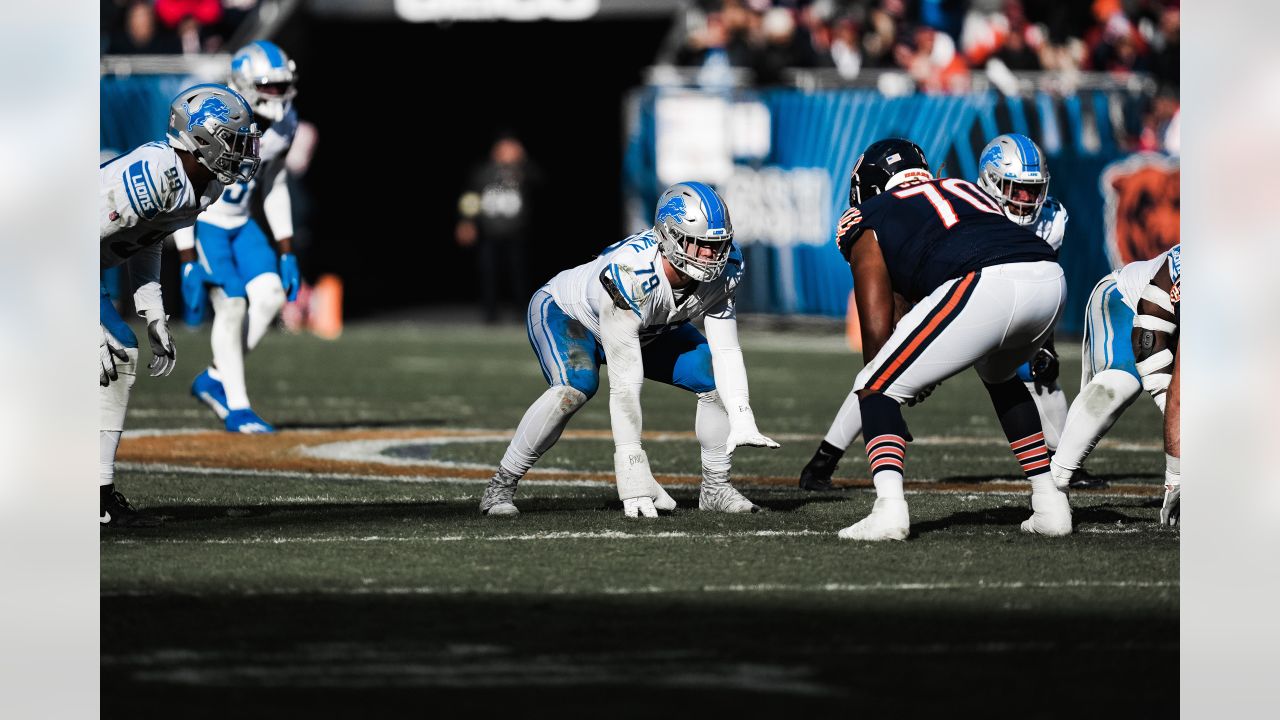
795 270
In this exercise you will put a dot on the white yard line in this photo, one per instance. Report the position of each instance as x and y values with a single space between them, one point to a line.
554 535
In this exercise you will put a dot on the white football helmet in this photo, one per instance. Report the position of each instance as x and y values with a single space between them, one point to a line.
1012 170
692 211
216 125
265 76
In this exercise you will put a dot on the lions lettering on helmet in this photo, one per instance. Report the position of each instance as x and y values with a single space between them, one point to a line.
265 76
214 123
1013 170
691 212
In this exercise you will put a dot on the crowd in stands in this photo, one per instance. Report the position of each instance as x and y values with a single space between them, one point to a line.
938 42
172 27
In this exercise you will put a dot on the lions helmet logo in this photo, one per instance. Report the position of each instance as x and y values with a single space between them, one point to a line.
211 108
674 209
1142 207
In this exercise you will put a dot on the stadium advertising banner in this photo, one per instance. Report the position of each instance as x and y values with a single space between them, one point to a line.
781 158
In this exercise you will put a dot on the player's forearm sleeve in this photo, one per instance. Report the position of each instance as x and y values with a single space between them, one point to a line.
620 335
728 366
144 269
277 205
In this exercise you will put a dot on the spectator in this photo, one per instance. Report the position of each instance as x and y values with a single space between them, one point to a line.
194 21
140 34
931 59
494 213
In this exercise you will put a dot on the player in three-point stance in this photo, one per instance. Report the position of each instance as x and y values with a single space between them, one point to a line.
145 195
986 294
1130 343
1013 171
228 251
632 309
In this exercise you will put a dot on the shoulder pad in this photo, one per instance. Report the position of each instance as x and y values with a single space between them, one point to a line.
149 178
625 288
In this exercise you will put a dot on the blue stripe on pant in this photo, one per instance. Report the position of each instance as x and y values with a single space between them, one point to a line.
112 321
570 355
1108 331
236 256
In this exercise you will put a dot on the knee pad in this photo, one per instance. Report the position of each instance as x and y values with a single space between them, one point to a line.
1108 391
569 398
113 400
227 308
266 295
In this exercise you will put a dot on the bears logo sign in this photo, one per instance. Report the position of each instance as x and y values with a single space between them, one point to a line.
1142 207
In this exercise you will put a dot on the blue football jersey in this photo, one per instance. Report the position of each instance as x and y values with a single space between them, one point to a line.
931 232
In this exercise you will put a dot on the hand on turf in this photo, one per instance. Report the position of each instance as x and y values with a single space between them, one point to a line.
1170 511
639 507
164 356
109 352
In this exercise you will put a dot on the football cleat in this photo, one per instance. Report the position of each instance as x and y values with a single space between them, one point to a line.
247 421
889 520
816 476
1050 514
210 391
1084 480
725 498
115 511
499 496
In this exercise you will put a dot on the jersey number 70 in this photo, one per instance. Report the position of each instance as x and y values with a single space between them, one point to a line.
961 189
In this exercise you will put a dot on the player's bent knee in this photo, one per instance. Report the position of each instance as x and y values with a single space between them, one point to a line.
1108 391
266 294
570 398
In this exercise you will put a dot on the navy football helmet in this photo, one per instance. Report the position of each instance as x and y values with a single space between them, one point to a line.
886 164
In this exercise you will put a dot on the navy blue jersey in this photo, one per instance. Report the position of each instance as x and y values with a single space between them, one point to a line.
931 232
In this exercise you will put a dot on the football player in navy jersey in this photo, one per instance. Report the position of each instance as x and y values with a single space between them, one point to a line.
986 293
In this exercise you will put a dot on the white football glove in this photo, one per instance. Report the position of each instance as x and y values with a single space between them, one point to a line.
641 495
747 435
109 351
1170 511
164 356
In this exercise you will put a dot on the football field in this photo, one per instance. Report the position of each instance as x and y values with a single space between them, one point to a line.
340 567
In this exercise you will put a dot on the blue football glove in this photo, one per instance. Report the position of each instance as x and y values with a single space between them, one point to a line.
194 278
289 275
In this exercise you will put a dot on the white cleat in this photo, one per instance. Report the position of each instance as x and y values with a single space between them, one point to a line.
1050 514
725 498
889 520
499 496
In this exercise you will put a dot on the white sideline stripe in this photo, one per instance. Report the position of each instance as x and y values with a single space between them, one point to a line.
657 590
556 535
487 435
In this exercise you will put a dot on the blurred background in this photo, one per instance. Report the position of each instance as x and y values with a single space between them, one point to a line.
412 107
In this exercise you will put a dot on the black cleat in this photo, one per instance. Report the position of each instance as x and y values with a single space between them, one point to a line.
816 476
115 511
1084 480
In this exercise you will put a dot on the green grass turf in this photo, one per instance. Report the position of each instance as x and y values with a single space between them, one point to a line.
329 596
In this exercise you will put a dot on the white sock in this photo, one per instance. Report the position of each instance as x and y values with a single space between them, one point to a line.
266 297
711 425
1172 470
113 402
1051 404
848 423
888 484
226 339
108 440
540 427
1092 414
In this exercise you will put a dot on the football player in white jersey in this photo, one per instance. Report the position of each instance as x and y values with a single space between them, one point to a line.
1130 341
632 308
229 252
145 195
1012 170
